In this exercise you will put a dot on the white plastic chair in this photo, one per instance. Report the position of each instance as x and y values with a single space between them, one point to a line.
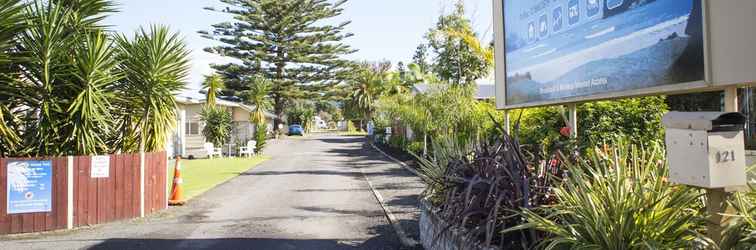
212 150
249 150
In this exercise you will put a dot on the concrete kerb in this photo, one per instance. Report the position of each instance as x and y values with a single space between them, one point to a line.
405 240
404 165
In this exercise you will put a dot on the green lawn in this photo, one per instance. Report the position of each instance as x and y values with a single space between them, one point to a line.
204 174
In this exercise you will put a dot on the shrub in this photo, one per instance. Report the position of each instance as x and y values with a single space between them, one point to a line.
619 199
218 125
415 147
261 131
350 127
637 119
397 141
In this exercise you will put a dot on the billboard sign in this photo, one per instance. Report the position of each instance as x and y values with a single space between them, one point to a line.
559 50
29 187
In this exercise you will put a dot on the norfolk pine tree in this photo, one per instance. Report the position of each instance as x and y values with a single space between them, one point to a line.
289 42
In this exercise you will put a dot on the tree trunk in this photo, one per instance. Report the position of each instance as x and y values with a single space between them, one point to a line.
279 110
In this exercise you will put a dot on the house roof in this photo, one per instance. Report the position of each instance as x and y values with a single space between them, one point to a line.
198 98
486 89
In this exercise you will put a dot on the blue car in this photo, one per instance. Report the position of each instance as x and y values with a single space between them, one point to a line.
296 130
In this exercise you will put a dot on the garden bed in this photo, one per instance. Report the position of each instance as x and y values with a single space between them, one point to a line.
400 155
435 233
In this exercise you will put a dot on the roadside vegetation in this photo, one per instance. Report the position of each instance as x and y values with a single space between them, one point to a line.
70 87
537 188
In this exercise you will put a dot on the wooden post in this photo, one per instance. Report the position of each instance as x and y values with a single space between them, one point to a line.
573 119
716 198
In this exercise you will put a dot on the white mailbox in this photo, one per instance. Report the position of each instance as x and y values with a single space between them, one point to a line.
706 149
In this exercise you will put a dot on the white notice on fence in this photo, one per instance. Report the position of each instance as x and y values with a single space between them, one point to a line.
100 166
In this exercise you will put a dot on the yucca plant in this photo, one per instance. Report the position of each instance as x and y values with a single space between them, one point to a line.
619 199
67 88
218 125
213 84
155 64
259 96
62 75
11 24
741 231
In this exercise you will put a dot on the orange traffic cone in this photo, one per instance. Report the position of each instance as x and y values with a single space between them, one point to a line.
177 193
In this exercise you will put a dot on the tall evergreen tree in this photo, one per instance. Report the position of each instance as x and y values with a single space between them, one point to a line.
289 42
421 58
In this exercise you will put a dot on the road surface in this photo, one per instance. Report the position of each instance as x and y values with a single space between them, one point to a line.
312 194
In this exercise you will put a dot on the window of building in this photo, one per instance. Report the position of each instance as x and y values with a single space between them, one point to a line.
192 128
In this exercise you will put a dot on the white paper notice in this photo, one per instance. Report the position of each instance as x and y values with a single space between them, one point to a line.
100 166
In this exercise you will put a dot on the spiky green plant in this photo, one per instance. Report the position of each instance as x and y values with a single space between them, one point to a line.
11 24
619 199
259 96
93 80
261 137
155 63
61 77
740 233
218 125
213 84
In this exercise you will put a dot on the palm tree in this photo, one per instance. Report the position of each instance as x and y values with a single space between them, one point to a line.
213 84
258 95
156 64
369 84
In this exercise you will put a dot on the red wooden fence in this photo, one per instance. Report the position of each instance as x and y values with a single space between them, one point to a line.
95 200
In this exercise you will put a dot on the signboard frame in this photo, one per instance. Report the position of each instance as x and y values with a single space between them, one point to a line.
676 88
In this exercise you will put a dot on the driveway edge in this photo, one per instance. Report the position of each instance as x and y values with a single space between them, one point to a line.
405 240
404 165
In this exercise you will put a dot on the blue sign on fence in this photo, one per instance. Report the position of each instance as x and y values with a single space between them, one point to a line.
29 187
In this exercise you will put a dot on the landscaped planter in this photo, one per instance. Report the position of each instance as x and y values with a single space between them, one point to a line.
435 234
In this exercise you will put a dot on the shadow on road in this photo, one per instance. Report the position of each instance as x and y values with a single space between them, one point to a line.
384 239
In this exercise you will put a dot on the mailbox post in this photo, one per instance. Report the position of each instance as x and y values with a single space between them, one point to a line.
707 150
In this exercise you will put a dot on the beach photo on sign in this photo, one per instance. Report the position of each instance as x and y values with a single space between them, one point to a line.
559 49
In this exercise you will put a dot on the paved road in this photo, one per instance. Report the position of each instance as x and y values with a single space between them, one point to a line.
311 195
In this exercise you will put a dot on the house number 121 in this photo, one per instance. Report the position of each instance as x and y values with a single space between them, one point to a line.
725 156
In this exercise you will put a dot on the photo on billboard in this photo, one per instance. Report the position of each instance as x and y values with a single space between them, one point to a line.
567 49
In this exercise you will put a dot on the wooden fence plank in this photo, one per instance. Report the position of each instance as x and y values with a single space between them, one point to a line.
91 191
80 197
27 223
116 161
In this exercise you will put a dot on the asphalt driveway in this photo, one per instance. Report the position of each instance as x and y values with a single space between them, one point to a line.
312 194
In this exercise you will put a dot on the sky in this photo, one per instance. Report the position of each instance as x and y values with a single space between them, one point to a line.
383 29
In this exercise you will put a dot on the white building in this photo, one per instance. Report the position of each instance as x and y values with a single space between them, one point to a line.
187 139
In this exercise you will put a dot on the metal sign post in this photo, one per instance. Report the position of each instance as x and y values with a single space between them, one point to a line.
573 122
